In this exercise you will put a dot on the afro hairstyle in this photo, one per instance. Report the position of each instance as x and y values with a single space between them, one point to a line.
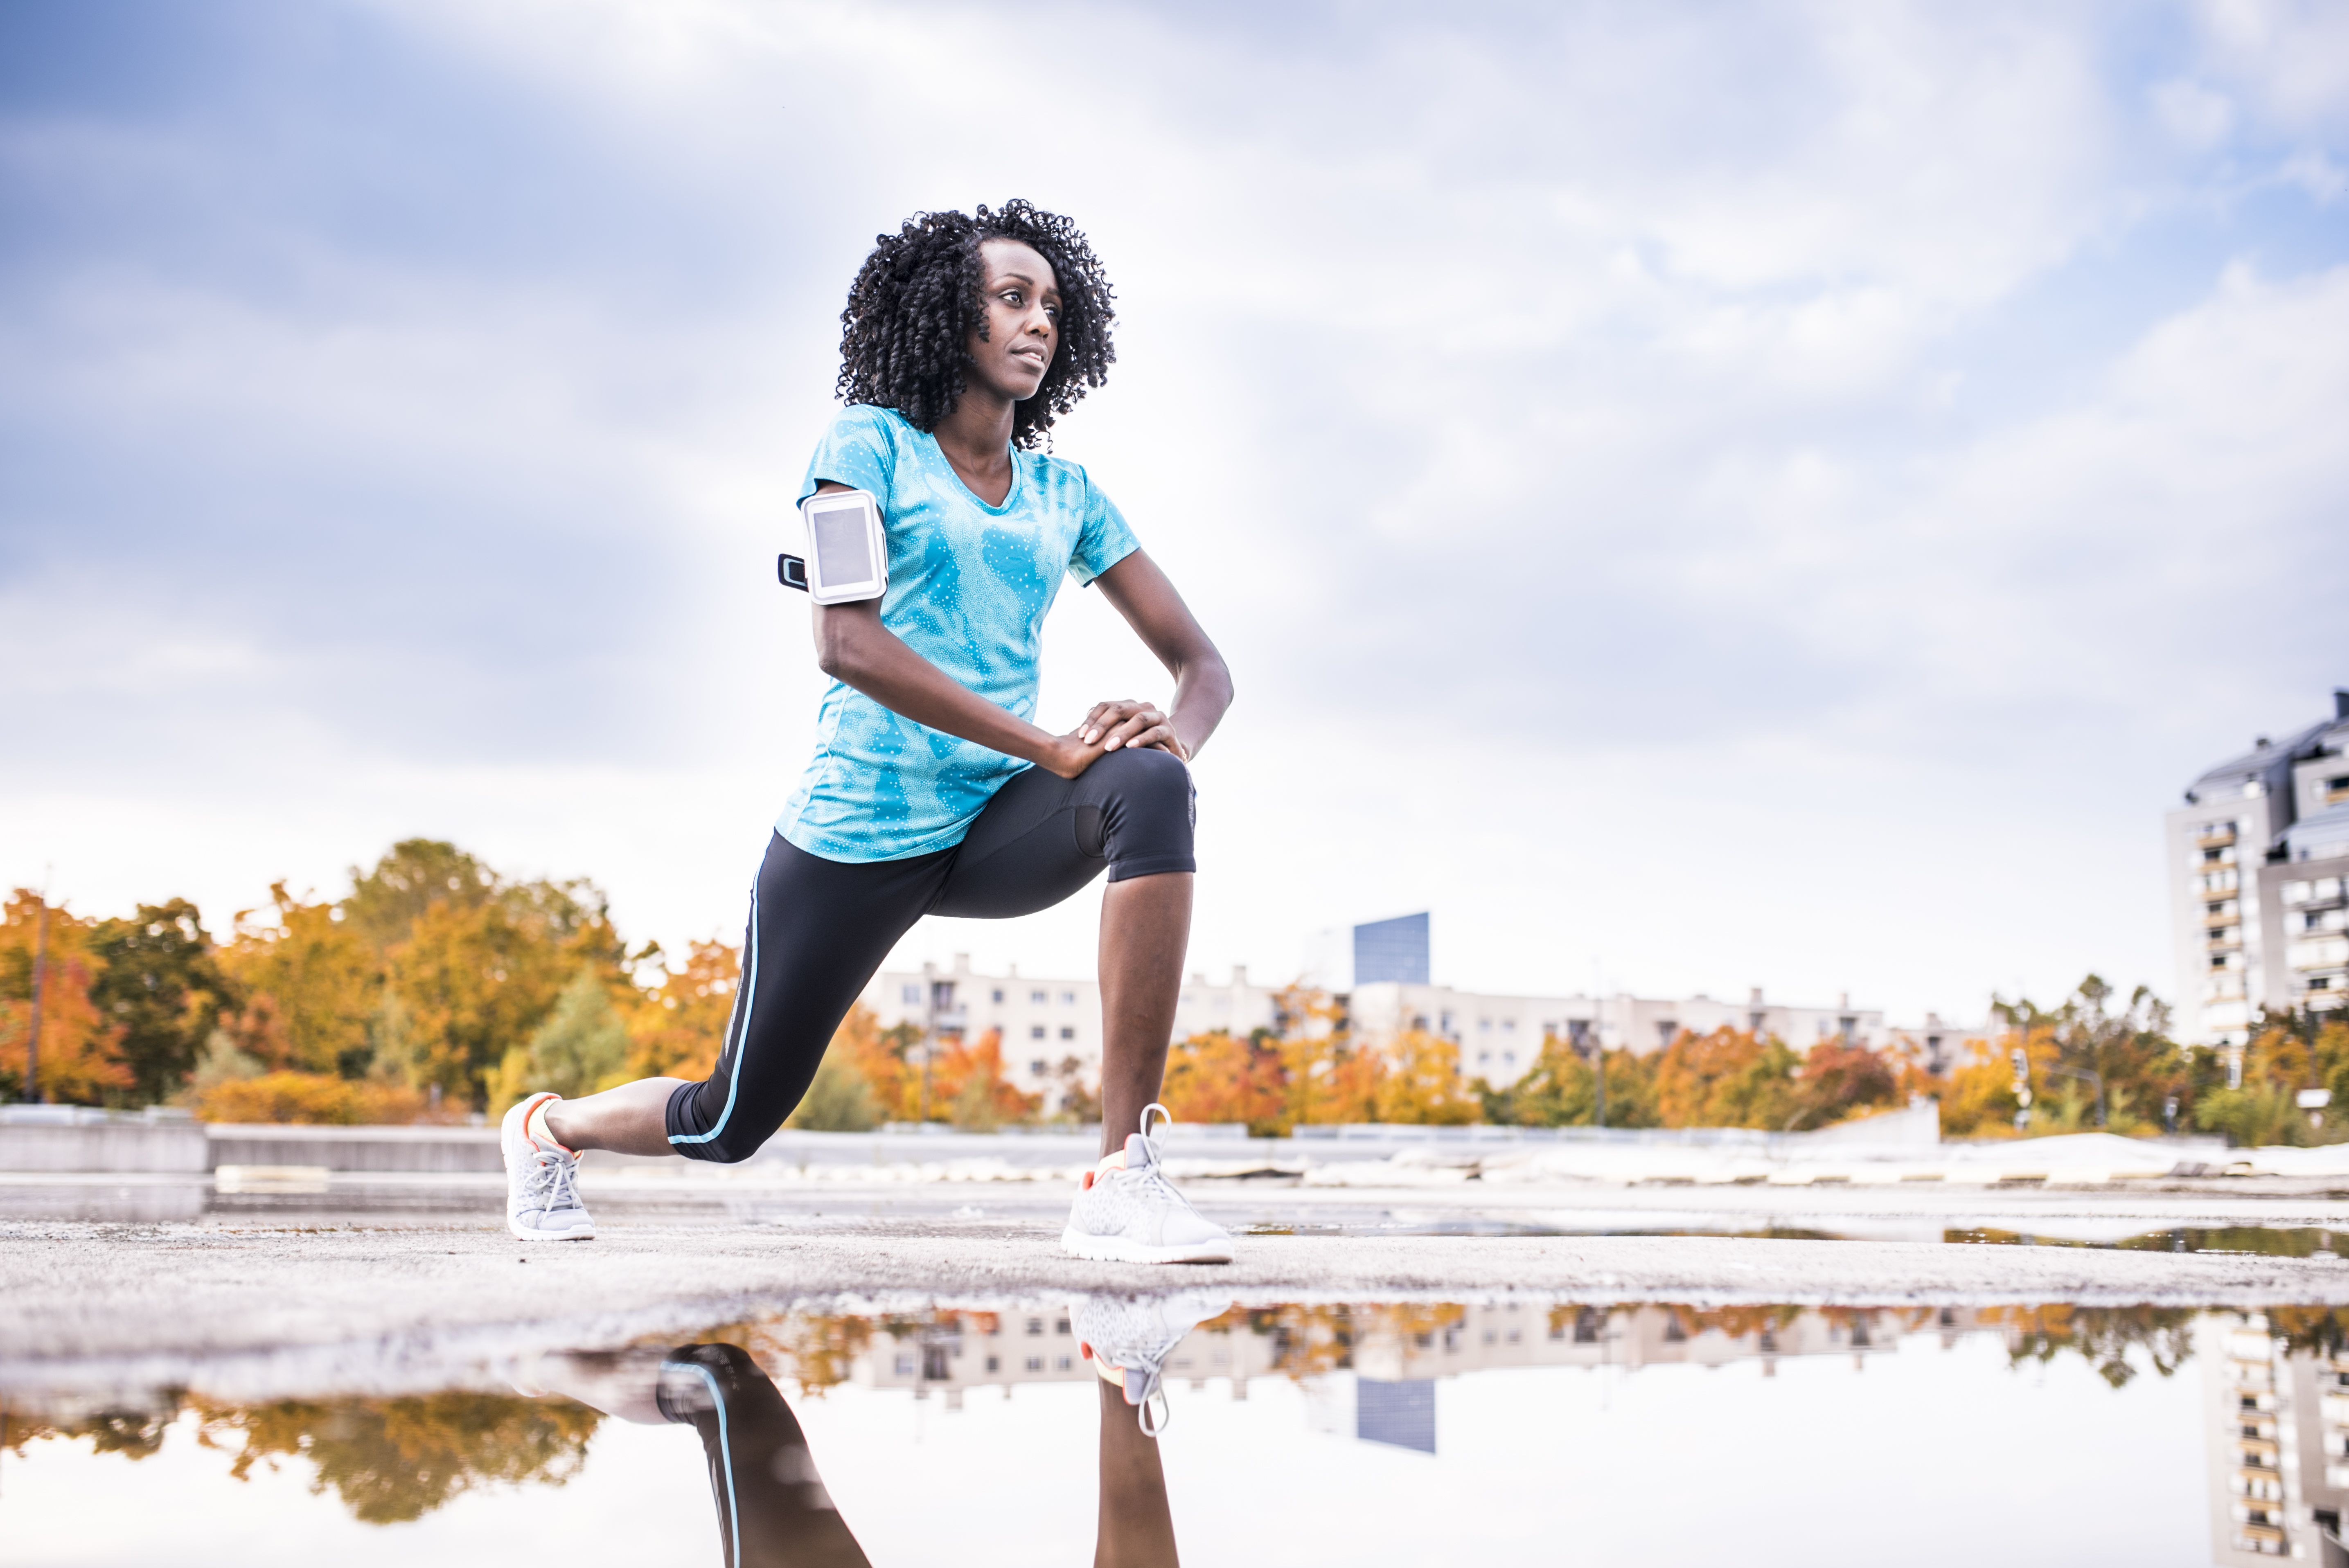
915 303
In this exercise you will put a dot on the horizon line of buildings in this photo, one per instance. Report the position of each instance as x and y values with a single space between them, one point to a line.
1051 1027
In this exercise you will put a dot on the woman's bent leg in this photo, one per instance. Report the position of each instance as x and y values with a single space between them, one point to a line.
1041 839
818 930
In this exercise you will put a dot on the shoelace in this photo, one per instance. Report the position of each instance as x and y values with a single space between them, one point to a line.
553 1180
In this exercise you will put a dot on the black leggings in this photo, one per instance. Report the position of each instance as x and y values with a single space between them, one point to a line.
772 1509
820 928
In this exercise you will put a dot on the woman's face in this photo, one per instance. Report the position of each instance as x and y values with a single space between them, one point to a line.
1022 305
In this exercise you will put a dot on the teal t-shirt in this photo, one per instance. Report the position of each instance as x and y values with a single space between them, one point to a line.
969 585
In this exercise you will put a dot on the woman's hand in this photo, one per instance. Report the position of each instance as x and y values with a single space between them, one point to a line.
1119 726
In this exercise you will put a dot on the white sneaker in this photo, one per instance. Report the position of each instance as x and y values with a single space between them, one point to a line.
1128 1342
1131 1214
542 1182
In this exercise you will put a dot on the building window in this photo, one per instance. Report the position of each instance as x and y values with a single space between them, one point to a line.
913 995
1035 1326
1039 997
999 992
994 1364
1067 998
905 1367
1035 1364
1035 1031
1063 1364
1068 1031
1036 1067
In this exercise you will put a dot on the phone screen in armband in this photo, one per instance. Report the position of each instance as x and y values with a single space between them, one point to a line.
848 552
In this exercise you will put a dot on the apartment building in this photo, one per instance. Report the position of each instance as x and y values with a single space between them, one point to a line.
1500 1037
1048 1022
2257 856
2278 1426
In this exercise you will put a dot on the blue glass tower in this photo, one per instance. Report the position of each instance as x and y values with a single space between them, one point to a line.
1391 950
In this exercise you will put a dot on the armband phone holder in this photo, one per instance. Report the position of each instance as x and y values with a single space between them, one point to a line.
847 555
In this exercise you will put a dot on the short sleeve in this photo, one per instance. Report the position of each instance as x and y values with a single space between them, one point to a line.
855 452
1105 539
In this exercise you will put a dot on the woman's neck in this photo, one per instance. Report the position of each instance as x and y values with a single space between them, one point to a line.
976 437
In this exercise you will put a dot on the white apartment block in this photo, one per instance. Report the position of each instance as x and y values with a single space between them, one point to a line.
2257 858
2278 1426
1500 1037
1047 1021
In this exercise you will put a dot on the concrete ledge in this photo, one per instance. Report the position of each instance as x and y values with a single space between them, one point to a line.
428 1149
124 1145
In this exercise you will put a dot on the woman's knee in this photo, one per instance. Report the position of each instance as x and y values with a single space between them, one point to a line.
1147 812
1145 781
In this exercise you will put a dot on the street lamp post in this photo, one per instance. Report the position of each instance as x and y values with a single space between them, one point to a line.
33 1039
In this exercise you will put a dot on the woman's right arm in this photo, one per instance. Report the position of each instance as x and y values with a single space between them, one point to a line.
853 646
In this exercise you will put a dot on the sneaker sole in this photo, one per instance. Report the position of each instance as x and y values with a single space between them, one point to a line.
576 1233
1118 1250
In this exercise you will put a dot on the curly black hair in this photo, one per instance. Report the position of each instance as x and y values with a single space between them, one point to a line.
916 302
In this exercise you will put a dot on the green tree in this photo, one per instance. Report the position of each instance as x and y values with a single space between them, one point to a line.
583 1042
839 1100
160 987
413 875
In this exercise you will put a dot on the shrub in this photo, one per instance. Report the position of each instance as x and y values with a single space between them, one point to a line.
320 1099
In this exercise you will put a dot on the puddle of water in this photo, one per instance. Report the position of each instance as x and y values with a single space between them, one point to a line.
1302 1435
2262 1240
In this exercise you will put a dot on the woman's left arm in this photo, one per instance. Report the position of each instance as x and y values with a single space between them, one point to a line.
1203 682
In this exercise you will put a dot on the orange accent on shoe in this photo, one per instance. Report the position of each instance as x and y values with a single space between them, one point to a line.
543 1132
1087 1185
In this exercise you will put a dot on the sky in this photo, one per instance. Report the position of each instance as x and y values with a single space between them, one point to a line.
1693 496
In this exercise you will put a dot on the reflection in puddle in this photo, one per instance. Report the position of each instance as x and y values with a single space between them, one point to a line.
2026 1434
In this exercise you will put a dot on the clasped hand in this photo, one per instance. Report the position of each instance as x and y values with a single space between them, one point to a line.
1117 727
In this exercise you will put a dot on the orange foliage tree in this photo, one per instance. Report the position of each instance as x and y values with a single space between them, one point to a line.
1729 1078
311 985
1422 1083
678 1026
77 1057
1216 1078
967 1086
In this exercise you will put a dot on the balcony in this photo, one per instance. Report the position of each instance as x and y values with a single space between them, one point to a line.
2217 836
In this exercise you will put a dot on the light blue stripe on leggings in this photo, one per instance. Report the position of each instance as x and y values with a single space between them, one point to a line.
725 1456
744 1000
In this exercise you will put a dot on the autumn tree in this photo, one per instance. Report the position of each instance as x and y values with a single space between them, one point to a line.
158 985
968 1089
474 975
1216 1078
582 1047
311 986
1329 1078
1561 1088
77 1059
1839 1080
1422 1083
1729 1077
679 1028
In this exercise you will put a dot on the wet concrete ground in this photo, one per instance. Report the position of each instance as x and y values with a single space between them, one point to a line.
380 1283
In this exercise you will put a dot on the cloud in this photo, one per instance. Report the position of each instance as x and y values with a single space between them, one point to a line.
1643 460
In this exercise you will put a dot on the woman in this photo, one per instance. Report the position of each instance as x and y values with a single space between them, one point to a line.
931 793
